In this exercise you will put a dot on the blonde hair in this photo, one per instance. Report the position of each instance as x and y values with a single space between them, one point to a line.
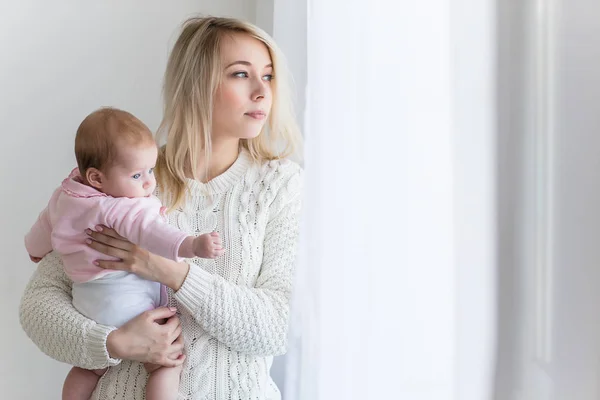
100 133
191 81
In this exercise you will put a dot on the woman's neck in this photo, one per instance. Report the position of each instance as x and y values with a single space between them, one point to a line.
223 155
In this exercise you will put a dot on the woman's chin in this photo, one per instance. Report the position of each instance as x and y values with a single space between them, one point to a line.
249 134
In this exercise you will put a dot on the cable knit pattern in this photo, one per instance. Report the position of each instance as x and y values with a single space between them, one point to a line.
234 310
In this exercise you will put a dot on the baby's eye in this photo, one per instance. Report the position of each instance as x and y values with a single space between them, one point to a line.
268 78
151 170
136 176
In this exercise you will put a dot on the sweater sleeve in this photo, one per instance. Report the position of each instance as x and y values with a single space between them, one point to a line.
251 320
49 319
140 221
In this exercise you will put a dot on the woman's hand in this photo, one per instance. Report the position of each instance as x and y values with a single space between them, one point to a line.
135 259
146 340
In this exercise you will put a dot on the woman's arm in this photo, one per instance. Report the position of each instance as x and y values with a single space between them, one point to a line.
59 330
251 320
49 319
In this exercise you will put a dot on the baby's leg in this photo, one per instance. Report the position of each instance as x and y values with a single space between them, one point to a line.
163 382
80 383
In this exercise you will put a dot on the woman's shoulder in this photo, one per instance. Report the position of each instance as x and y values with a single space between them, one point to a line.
276 171
275 182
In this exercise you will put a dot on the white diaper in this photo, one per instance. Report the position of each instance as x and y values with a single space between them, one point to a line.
116 298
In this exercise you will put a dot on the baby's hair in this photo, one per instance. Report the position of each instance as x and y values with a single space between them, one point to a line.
101 132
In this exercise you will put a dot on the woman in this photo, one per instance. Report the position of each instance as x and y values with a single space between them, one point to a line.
228 126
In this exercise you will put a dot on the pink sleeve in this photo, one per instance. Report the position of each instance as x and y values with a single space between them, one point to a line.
140 221
38 240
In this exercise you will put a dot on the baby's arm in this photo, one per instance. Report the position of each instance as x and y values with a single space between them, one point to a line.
139 221
37 240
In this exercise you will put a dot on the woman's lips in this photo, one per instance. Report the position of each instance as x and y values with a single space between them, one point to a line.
256 114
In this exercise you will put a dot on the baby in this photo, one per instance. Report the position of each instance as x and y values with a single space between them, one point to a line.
113 186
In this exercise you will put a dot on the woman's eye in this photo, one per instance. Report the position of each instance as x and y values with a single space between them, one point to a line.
136 176
241 74
268 78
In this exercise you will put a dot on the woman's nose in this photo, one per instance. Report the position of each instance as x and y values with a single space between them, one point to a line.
259 95
259 90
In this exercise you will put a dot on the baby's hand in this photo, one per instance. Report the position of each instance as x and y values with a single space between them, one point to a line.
208 245
35 259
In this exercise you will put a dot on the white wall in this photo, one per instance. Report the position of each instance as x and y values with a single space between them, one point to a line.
59 61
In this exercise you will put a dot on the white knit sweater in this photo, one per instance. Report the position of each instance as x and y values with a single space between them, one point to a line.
234 310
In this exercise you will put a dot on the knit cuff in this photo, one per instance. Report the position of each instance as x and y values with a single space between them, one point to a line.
195 289
97 337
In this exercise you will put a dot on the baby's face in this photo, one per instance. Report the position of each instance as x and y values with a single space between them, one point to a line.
132 175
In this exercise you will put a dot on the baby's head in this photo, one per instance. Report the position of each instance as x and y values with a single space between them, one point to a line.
116 153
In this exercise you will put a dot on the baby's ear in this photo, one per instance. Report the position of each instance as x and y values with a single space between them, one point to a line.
94 177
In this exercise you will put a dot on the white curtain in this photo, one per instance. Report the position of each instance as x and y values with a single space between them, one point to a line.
394 295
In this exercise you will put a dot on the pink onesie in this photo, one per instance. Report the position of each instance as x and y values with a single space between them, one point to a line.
72 209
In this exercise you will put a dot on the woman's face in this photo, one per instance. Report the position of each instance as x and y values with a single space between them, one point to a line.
243 100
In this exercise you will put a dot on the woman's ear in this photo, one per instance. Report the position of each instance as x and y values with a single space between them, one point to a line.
94 177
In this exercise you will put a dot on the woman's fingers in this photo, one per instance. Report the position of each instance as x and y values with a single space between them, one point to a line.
109 232
179 340
174 355
174 363
175 333
176 336
116 265
176 349
131 258
110 241
144 339
175 339
107 249
161 313
173 327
